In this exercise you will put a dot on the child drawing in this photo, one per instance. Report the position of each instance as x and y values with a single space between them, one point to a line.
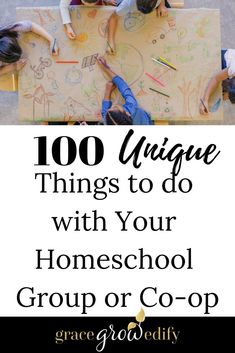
65 15
11 56
124 7
226 76
128 114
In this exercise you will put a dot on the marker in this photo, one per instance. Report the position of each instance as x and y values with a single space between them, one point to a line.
154 90
66 62
154 79
53 48
161 63
204 106
164 61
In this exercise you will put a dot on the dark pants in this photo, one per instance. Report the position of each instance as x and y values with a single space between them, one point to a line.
167 4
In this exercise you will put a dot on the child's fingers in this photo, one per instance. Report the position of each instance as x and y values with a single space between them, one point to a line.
71 35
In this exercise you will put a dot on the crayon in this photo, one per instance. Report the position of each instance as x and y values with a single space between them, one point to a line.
204 106
164 94
154 79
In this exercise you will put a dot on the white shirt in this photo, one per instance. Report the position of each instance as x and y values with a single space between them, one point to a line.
230 62
64 11
127 6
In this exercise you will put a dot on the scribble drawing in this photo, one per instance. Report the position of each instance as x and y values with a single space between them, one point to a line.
182 33
131 71
201 27
42 99
134 21
187 92
89 61
73 76
75 108
39 70
157 35
103 28
45 16
51 77
171 22
141 91
215 106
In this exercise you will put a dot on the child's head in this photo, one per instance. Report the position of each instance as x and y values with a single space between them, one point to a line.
117 116
146 6
89 2
229 90
10 51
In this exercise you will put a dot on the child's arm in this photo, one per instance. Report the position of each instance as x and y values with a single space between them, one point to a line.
112 27
13 67
66 19
37 29
211 88
162 10
130 101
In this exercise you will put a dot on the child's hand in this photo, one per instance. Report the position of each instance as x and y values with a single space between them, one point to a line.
20 64
54 48
162 11
69 31
204 107
102 63
111 47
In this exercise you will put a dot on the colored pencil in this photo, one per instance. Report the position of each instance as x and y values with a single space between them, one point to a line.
110 47
204 106
67 62
164 94
164 61
161 63
154 79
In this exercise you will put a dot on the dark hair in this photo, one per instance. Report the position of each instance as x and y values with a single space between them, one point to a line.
10 51
146 6
115 117
229 87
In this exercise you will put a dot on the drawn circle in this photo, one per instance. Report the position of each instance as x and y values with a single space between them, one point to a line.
73 76
82 37
130 71
154 41
167 110
103 28
134 21
162 36
156 35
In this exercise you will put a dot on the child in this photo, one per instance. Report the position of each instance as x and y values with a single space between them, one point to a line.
64 10
11 57
227 76
126 6
128 114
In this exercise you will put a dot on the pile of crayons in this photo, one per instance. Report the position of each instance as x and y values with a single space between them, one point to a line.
165 63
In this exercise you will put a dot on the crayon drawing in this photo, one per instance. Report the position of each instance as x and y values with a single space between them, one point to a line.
70 87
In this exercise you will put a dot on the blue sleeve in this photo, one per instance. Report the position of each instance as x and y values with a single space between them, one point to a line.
105 107
131 104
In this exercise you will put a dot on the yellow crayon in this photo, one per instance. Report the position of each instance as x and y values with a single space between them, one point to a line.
166 62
